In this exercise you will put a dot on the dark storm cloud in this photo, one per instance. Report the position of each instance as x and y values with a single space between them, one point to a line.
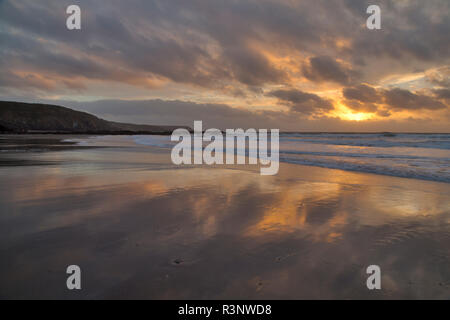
302 102
412 31
442 93
30 55
362 93
251 68
404 99
324 68
174 44
369 99
235 47
207 42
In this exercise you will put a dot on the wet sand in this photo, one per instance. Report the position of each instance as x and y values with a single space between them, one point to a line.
140 227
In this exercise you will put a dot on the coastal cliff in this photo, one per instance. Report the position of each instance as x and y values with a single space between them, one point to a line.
20 117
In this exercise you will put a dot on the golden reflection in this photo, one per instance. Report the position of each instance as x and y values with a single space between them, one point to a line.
294 205
274 234
156 188
333 236
315 202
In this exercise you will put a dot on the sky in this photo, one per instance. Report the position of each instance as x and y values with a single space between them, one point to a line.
295 65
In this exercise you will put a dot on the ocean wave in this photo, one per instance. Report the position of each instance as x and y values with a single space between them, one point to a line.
403 172
402 155
384 143
362 155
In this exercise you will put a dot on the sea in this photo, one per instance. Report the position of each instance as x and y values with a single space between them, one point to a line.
409 155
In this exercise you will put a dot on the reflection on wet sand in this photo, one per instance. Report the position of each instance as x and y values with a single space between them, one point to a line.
141 228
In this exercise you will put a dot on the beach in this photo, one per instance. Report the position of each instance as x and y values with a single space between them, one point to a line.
140 227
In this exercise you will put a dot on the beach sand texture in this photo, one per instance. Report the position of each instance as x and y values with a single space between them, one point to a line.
140 227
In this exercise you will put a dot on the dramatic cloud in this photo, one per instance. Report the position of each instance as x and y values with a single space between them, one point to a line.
404 99
442 94
440 76
362 93
208 42
223 116
369 99
311 56
363 107
324 68
302 102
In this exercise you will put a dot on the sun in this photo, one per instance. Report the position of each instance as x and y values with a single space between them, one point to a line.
359 116
345 113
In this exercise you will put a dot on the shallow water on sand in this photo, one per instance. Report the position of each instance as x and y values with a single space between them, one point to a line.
140 227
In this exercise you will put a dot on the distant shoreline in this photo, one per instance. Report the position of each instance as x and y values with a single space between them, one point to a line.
35 118
77 133
168 133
